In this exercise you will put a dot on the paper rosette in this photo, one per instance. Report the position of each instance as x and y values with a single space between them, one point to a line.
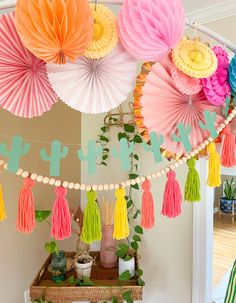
149 29
216 87
159 106
194 58
105 36
185 84
55 30
95 85
24 87
232 75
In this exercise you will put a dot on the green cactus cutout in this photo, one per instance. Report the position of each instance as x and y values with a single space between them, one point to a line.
210 119
57 153
184 132
93 152
226 109
155 147
125 150
18 149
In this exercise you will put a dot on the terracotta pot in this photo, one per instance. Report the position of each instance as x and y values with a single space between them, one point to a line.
108 247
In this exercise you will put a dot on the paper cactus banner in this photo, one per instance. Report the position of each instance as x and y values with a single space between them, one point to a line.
216 87
53 30
160 107
24 87
95 85
194 58
149 29
105 36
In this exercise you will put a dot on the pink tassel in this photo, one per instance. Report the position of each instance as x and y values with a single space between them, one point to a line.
26 214
172 199
147 219
61 217
228 157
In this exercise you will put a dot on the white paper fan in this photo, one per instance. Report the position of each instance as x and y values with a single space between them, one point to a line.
94 85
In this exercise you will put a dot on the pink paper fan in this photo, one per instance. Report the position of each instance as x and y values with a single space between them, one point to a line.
24 87
149 29
185 84
164 106
216 87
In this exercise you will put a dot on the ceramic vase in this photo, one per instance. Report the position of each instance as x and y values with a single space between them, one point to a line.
108 247
127 265
83 269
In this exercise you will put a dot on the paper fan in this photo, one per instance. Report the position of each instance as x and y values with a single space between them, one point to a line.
24 87
185 84
159 106
232 74
149 29
95 85
105 35
55 30
194 58
216 87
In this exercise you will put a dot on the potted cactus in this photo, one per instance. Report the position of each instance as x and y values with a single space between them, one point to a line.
228 202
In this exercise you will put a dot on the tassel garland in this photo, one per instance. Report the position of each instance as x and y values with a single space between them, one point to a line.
192 185
147 212
26 214
92 221
214 177
121 225
172 199
3 215
61 216
228 157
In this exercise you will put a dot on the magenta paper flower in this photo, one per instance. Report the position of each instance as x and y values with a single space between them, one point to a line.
216 87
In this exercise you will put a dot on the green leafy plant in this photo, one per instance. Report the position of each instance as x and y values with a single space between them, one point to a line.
42 299
230 189
42 215
51 247
72 281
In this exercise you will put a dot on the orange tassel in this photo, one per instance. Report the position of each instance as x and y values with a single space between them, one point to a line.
228 157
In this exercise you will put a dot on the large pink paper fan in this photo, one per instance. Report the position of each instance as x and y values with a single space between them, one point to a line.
24 87
148 29
163 106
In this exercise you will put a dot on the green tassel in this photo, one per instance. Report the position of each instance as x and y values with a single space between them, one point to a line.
91 230
192 185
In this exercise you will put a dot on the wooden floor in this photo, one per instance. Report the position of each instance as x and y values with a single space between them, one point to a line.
224 248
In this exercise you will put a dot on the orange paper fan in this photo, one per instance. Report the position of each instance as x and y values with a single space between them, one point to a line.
55 30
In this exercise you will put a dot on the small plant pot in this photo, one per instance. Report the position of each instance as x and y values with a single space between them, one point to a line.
58 265
83 265
127 265
226 206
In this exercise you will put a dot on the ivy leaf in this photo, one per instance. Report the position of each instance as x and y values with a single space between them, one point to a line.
42 215
129 128
139 272
134 245
135 186
59 283
104 157
125 276
136 157
104 129
137 238
133 176
128 296
106 150
121 254
129 203
123 246
138 139
114 300
127 258
121 136
141 282
103 138
87 281
103 163
138 229
71 280
135 216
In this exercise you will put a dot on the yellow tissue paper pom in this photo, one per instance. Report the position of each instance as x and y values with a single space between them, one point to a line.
105 36
194 58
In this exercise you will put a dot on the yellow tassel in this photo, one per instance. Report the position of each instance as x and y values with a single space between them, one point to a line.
2 207
121 225
214 175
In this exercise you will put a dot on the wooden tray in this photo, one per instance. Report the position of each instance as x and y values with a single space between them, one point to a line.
106 285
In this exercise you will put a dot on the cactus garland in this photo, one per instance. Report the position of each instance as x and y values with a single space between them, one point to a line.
126 148
93 152
210 119
155 146
184 132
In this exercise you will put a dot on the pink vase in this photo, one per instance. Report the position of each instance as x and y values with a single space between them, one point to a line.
108 247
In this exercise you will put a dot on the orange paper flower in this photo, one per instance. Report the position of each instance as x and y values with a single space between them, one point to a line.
55 30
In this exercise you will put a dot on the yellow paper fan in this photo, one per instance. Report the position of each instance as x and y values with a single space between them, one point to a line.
194 58
105 36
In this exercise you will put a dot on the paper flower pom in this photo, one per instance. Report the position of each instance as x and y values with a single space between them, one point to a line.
194 58
185 84
232 75
95 85
216 87
53 30
149 29
24 87
105 36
